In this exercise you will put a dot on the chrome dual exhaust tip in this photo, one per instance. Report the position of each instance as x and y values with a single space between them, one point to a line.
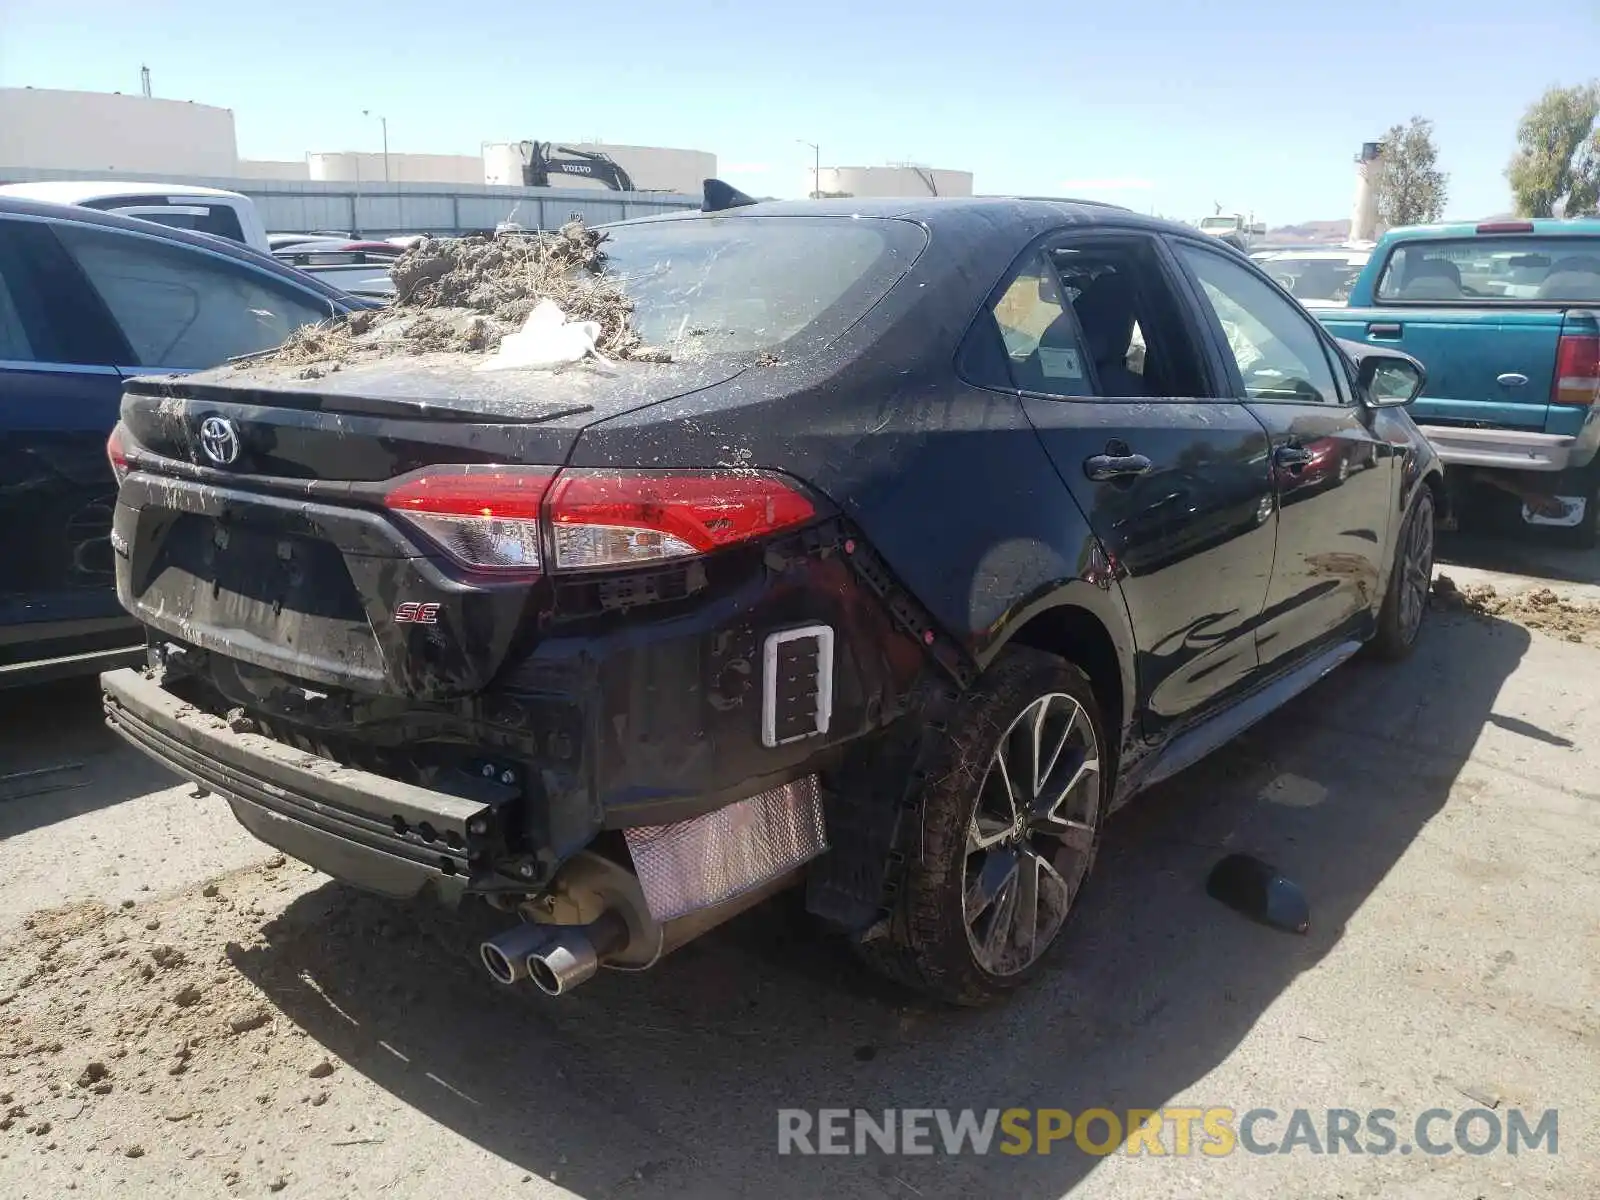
505 955
556 957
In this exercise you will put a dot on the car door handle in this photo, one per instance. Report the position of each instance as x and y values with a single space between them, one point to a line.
1102 467
1291 456
1384 329
1512 379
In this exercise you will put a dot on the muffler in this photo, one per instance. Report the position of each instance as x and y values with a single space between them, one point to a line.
572 954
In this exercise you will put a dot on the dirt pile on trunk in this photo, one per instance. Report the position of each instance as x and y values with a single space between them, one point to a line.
1538 608
463 295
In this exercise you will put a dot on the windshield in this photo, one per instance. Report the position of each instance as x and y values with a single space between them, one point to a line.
1314 278
751 284
1557 270
1218 223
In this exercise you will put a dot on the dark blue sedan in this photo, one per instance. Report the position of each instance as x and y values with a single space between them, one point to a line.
88 299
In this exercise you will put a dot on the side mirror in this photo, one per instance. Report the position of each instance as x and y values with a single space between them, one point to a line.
1390 381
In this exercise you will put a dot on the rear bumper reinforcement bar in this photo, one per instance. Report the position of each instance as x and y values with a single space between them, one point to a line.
376 833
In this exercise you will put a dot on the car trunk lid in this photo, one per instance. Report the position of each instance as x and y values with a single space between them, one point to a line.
264 537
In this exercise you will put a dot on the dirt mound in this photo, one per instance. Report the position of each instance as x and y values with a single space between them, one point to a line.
1538 608
465 294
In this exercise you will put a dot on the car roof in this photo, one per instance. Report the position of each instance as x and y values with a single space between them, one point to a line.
1542 227
13 206
82 191
947 212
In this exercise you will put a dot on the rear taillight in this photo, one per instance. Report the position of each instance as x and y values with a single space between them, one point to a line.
1506 227
1577 378
487 519
118 454
493 518
620 518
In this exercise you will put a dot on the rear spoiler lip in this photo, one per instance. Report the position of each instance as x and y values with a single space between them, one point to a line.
184 387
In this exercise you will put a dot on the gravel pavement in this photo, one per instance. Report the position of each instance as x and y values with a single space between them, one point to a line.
182 1013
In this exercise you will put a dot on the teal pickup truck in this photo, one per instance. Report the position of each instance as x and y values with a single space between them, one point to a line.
1506 318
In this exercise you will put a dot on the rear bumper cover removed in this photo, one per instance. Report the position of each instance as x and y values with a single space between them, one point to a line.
380 834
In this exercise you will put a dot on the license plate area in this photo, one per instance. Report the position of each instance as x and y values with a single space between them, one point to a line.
238 583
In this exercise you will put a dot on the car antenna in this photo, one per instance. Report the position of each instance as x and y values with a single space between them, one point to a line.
722 196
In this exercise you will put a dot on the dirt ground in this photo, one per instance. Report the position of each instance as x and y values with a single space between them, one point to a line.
184 1013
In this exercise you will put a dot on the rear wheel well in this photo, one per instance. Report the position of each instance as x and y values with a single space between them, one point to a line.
1078 636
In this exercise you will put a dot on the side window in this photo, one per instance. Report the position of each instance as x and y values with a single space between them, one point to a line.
1029 339
1082 318
182 308
48 315
1279 353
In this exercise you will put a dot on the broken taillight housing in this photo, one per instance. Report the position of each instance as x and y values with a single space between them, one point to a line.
118 454
487 519
497 518
603 518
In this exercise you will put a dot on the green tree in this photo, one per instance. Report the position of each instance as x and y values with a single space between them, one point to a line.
1409 186
1558 154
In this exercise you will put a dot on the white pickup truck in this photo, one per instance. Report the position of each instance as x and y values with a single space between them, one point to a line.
182 206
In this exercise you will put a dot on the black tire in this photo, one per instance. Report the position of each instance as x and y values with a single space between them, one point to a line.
1410 583
931 944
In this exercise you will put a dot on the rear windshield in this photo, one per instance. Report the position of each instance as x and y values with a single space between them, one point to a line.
1551 270
1314 277
742 284
219 220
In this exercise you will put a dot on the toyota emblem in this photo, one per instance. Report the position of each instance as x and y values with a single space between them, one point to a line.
220 440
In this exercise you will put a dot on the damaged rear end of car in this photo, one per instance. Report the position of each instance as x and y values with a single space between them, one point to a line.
412 645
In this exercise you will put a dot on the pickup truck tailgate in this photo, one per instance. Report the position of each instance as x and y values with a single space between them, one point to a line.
1486 366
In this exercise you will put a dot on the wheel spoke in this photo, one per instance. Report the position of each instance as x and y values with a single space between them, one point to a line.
998 869
985 832
1075 835
1005 776
1001 916
1055 755
1025 928
1052 878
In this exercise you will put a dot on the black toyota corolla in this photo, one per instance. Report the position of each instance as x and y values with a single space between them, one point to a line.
950 526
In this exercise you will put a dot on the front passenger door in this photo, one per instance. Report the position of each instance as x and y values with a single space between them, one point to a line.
1333 476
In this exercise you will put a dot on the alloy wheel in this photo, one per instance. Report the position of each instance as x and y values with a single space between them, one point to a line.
1031 838
1416 567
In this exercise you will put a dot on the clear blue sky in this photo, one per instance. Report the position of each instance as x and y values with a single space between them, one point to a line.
1162 104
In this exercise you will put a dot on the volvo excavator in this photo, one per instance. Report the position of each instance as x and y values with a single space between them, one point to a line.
539 162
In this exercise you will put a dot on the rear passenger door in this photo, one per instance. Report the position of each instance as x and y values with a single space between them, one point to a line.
1333 476
1174 484
59 392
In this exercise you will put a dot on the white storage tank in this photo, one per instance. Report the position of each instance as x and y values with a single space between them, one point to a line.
364 166
891 181
107 133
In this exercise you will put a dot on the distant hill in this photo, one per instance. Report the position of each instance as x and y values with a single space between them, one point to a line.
1311 232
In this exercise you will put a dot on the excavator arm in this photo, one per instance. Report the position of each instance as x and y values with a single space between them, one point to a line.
539 162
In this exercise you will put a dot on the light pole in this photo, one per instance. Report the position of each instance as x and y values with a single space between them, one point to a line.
816 168
384 121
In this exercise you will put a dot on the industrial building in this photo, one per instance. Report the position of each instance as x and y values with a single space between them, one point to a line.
112 134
